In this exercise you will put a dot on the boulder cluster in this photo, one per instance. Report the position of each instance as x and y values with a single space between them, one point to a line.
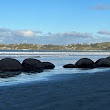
88 63
10 67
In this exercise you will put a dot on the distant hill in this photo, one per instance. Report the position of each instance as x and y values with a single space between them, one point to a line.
95 46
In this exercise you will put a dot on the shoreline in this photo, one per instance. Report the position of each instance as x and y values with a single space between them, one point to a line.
54 50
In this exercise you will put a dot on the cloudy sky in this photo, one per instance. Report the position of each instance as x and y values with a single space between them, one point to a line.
54 21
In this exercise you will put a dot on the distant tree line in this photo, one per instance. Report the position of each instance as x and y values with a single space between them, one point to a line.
95 46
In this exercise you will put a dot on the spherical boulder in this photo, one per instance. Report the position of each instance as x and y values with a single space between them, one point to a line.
69 66
10 67
84 63
102 62
32 65
48 65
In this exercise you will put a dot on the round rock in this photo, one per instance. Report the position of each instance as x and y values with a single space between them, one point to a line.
32 65
48 65
102 62
84 63
10 67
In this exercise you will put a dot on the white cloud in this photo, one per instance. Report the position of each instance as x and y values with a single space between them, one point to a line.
21 33
104 32
17 36
26 33
72 34
37 37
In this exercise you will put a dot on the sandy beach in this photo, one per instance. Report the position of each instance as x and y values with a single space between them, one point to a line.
67 92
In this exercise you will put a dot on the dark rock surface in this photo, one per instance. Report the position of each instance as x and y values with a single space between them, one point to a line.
10 67
102 62
32 65
108 58
48 65
84 63
69 66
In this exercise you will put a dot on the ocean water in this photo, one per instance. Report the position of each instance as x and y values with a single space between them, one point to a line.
58 58
57 89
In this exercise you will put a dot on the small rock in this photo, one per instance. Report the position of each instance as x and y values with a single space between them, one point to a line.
69 66
48 65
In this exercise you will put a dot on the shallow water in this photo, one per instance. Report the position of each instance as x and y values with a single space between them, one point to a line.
82 91
57 89
56 57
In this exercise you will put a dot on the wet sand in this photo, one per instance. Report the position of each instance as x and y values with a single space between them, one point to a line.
67 92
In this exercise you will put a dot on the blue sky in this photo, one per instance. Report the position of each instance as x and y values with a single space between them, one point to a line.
54 21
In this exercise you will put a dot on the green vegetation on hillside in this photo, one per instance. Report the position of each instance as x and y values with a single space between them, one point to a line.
96 46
